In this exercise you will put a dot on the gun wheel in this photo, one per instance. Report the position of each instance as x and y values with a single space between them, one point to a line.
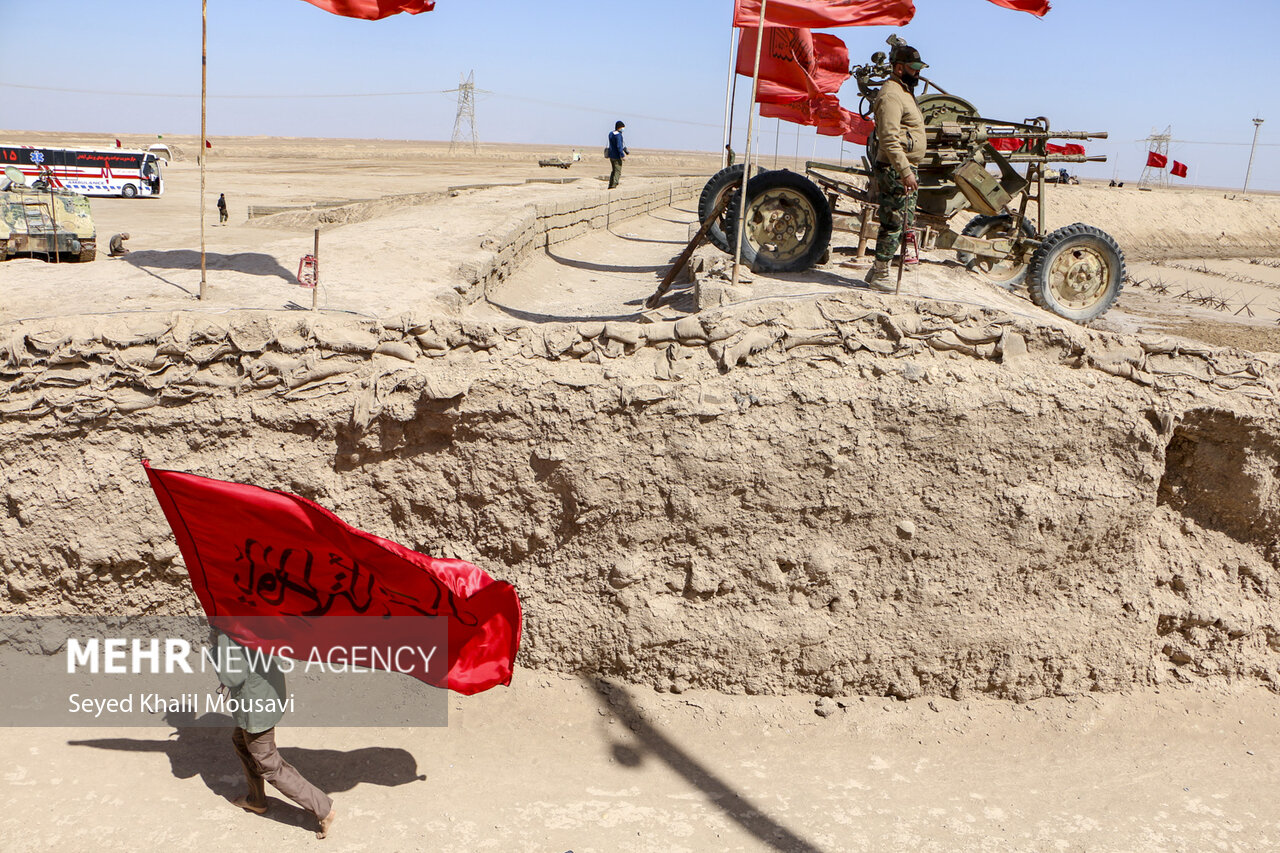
788 223
1077 272
724 181
1007 272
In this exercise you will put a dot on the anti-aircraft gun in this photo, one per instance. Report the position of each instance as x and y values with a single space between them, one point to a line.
970 165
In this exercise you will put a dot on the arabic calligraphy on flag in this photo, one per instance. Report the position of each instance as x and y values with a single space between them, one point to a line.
275 570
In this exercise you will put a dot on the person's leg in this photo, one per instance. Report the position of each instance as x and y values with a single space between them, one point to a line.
893 205
615 173
256 799
287 780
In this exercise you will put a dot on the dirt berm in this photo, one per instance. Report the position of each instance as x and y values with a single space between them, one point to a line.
790 496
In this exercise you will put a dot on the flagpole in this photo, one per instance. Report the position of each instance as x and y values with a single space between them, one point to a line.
729 89
204 88
746 161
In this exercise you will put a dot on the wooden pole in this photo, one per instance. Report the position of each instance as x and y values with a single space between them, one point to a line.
746 159
204 90
315 290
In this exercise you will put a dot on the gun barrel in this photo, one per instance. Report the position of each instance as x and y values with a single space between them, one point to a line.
1051 134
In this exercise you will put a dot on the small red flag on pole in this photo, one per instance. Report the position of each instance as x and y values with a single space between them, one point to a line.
372 10
1156 161
1038 8
1179 170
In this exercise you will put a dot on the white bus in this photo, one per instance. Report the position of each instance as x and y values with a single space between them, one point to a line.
108 171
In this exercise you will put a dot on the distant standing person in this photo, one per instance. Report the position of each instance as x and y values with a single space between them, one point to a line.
256 681
732 156
900 148
617 151
222 208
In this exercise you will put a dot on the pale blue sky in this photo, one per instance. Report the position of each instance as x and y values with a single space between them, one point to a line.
560 73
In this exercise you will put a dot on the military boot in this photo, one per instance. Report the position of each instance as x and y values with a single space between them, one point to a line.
877 278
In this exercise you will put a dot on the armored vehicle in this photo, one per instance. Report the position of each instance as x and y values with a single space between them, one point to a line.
41 221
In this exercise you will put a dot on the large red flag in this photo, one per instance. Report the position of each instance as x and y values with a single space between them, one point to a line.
824 13
860 128
372 10
1179 170
1035 7
1156 161
794 63
272 569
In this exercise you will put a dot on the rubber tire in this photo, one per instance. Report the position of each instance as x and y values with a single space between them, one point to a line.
129 191
1067 239
818 242
711 193
980 226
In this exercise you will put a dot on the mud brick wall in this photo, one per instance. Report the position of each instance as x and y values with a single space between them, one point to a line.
547 224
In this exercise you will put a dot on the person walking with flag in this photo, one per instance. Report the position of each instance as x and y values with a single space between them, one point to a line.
616 151
255 681
900 146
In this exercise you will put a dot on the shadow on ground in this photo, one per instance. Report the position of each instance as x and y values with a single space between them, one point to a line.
249 263
203 748
651 743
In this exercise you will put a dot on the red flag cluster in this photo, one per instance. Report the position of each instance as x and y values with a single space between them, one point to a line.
1157 160
372 10
272 569
800 72
1013 143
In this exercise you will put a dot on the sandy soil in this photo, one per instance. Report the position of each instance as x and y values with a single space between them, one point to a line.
558 764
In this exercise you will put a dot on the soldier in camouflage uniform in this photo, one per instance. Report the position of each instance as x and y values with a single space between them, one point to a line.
900 148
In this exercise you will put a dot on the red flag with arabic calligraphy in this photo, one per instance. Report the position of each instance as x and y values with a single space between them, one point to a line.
273 569
373 10
793 60
1156 160
820 14
1039 8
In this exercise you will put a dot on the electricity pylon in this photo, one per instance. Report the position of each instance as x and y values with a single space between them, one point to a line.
1159 143
466 113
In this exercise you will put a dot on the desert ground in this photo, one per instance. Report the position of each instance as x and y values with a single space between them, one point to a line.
1018 625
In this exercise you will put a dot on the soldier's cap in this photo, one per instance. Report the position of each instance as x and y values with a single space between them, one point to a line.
909 55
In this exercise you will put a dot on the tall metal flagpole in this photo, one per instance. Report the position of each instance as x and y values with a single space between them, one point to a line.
728 98
746 160
204 88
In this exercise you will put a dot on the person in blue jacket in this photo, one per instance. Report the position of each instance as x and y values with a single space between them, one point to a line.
617 150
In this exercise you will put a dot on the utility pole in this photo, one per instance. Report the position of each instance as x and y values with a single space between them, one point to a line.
1257 125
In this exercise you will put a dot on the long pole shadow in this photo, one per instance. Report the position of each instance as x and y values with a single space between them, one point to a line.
736 807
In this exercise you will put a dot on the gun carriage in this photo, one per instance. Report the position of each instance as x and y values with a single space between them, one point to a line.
971 166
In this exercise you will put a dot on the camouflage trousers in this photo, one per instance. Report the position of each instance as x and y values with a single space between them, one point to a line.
897 210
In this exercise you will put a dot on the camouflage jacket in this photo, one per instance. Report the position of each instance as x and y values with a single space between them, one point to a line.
899 127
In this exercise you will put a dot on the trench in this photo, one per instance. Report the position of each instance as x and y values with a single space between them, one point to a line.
892 511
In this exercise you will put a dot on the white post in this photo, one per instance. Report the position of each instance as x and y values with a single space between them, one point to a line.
746 162
728 97
1257 125
204 88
